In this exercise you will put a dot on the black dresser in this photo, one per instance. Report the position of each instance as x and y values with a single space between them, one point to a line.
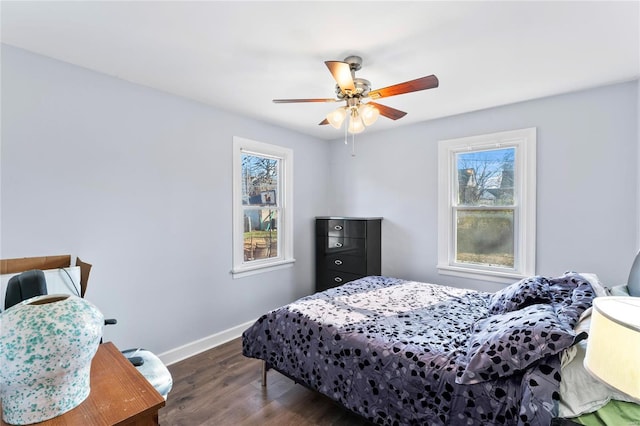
347 248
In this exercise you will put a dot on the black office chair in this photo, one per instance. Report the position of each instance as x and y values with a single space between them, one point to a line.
25 286
33 283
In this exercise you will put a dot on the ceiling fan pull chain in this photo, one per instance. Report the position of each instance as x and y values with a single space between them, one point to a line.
353 145
346 140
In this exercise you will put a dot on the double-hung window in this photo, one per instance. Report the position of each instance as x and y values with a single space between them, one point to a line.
262 206
487 206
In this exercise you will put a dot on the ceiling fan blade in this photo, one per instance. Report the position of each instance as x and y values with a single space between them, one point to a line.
428 82
341 72
288 101
388 112
323 122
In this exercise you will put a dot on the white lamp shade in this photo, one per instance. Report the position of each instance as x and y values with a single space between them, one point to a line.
369 114
613 346
336 117
355 124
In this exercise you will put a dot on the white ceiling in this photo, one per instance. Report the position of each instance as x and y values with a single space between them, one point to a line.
240 55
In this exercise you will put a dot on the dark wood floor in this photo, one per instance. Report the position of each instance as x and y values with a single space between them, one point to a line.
222 387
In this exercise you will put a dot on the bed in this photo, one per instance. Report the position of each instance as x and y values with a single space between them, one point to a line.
404 352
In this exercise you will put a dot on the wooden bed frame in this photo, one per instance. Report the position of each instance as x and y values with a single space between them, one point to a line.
12 266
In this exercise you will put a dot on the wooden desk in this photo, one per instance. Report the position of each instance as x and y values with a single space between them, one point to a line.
120 395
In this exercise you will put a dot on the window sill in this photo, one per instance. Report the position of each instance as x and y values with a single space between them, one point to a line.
479 274
246 271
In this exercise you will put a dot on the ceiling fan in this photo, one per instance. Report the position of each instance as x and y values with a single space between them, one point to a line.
354 91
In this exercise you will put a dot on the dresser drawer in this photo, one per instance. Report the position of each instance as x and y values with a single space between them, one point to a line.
346 263
340 245
330 279
341 228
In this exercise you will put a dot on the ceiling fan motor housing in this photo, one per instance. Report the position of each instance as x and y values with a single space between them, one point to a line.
362 89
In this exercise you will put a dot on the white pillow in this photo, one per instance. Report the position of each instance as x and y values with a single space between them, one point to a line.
58 282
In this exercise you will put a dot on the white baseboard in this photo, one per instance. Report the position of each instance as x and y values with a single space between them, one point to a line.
190 349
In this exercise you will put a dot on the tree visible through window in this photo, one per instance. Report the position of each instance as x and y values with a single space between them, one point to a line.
484 209
487 202
260 176
262 206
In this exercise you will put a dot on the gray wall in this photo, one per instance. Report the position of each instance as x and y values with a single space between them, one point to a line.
587 186
138 183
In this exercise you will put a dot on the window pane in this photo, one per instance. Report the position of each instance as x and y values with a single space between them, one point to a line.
259 180
485 237
485 178
260 234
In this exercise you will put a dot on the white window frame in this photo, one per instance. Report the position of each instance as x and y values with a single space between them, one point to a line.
524 140
285 186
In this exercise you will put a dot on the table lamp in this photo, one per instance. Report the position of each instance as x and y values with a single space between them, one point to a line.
613 347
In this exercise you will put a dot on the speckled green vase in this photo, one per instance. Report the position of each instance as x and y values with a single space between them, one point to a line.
46 347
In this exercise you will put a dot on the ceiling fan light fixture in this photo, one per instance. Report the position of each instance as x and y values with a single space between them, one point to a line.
369 114
355 123
336 117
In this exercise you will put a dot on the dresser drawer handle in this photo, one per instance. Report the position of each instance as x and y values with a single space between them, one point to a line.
338 227
338 262
338 244
338 279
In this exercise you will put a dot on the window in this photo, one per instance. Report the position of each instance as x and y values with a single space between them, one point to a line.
487 206
262 206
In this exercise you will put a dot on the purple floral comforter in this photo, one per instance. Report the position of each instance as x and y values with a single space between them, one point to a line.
399 352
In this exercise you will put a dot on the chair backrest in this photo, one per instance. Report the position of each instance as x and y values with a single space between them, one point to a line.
24 286
633 283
